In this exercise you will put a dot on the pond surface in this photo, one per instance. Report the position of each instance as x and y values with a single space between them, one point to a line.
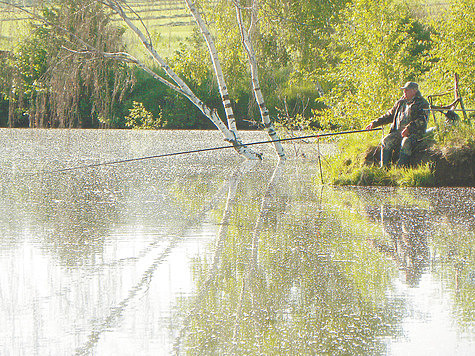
210 254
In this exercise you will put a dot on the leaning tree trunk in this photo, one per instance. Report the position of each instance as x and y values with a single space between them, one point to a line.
216 65
247 44
228 133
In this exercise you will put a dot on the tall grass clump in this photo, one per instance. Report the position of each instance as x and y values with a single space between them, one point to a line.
345 165
460 134
420 176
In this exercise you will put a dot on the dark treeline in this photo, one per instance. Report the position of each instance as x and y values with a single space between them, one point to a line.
323 64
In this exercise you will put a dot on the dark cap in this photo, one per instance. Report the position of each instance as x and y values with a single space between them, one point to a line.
411 85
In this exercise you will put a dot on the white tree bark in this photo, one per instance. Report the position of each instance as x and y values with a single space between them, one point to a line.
228 133
247 44
216 65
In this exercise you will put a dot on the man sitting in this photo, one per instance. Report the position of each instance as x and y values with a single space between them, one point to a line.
409 117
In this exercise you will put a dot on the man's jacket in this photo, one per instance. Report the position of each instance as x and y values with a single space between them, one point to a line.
412 114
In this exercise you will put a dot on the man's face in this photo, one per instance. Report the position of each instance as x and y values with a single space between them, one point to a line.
409 93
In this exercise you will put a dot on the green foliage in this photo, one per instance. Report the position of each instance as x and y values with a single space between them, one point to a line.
453 53
289 44
140 118
55 86
379 46
3 112
357 53
6 71
176 111
456 135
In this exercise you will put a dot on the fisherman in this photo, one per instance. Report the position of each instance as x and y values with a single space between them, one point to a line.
409 117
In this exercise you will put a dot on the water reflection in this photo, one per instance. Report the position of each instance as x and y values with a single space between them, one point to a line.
406 229
279 291
210 255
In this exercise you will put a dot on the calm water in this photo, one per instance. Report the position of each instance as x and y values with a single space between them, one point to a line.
208 254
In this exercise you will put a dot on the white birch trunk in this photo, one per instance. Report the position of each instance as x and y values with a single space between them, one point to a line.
247 43
228 134
216 65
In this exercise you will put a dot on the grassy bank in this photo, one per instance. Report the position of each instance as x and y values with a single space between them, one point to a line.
449 160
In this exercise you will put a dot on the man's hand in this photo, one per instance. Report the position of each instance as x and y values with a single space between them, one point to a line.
369 127
405 132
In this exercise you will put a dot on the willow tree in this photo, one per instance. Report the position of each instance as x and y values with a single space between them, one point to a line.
60 86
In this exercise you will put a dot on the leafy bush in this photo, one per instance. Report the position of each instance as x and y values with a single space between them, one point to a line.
140 118
379 47
453 52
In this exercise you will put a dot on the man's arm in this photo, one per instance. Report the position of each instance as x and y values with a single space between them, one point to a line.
385 119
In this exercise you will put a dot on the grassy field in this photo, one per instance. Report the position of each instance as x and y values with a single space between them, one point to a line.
168 22
12 25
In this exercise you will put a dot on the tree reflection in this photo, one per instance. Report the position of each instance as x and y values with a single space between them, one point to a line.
429 227
72 214
279 288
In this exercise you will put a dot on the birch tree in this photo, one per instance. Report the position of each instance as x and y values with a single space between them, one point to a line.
253 67
229 132
223 89
172 80
247 44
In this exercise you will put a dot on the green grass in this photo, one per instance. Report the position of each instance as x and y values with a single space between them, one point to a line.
11 30
460 134
421 176
347 167
168 24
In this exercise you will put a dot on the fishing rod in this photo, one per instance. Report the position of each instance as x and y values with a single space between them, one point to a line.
443 109
236 144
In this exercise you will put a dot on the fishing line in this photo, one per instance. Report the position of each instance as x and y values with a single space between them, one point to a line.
93 165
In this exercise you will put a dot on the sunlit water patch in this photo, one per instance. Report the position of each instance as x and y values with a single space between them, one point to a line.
208 254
